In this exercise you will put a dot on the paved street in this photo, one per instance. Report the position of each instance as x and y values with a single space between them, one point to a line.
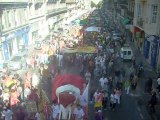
132 107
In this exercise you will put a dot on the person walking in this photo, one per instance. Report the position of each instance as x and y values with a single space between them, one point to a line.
37 116
102 81
20 114
88 76
152 102
78 113
127 85
112 101
148 85
7 113
55 111
98 115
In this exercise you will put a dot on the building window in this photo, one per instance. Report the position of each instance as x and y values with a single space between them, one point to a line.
154 10
4 22
139 11
26 16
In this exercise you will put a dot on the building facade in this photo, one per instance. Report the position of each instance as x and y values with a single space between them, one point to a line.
14 27
22 22
146 29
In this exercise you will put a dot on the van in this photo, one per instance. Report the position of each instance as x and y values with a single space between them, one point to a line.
126 53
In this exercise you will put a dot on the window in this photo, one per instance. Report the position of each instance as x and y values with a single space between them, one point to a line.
7 18
129 52
26 16
3 21
11 18
139 11
154 10
125 52
17 17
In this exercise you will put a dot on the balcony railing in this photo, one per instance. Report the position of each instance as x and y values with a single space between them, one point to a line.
143 0
13 1
140 23
56 8
129 13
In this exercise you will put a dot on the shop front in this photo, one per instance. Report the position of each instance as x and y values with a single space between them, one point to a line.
14 42
151 47
138 38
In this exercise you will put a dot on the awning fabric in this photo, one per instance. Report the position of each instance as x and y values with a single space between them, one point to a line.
125 21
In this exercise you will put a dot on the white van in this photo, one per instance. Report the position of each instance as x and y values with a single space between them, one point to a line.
126 53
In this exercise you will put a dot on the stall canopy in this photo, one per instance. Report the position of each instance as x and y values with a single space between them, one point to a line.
82 49
93 29
125 21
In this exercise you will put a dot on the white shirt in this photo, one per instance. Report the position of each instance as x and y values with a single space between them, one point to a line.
27 92
8 115
55 110
79 113
102 81
158 81
113 98
88 76
37 116
96 95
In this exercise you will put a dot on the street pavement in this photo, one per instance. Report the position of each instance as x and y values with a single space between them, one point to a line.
134 105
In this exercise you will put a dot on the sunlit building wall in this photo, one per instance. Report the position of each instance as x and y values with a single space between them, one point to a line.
55 13
14 26
36 16
146 22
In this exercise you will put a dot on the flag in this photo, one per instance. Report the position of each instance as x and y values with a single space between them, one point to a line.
85 94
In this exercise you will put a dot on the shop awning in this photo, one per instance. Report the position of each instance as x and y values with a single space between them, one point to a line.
125 21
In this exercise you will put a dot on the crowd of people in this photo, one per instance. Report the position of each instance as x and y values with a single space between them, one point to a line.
100 67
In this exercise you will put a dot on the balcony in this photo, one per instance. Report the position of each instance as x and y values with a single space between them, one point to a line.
55 9
143 0
140 23
13 1
129 13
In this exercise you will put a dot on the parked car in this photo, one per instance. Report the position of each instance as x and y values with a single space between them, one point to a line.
17 61
116 36
126 52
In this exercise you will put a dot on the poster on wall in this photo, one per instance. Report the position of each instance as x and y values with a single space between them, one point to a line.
146 48
154 51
